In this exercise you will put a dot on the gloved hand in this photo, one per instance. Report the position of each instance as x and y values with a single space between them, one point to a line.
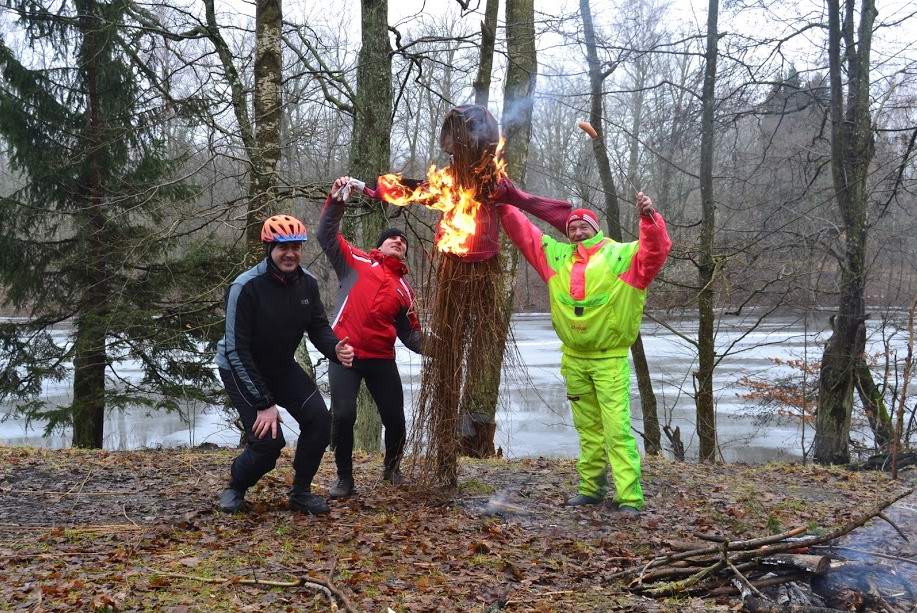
344 187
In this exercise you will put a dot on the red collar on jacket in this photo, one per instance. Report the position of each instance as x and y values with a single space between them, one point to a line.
394 264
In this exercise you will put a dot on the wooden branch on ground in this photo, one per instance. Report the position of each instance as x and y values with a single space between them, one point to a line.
895 526
758 583
758 605
816 565
325 587
698 566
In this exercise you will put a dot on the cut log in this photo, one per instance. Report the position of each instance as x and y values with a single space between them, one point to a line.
816 565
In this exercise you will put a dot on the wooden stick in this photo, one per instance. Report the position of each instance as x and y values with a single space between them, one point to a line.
868 553
755 605
759 583
817 565
744 580
67 493
313 583
706 551
674 587
765 546
893 525
536 597
99 529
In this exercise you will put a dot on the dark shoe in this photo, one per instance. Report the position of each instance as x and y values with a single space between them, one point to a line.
581 499
631 511
231 500
306 502
394 477
342 489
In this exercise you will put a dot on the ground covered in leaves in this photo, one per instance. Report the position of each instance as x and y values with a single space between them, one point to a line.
83 530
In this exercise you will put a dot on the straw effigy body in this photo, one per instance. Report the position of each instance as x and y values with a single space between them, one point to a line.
466 308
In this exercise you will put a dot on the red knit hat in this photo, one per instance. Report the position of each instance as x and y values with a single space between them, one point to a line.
582 215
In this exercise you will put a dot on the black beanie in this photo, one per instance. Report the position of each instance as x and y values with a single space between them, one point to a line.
388 233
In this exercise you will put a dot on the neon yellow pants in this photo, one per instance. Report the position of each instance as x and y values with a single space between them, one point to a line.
599 392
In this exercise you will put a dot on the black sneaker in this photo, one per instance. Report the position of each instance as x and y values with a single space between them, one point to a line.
631 511
343 488
231 500
581 499
306 502
394 476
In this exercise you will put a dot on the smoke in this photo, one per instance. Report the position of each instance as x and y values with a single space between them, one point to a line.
517 111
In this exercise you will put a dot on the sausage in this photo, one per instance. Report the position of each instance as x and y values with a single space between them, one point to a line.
586 127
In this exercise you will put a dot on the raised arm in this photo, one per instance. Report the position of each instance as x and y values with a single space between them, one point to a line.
653 248
338 250
555 212
527 238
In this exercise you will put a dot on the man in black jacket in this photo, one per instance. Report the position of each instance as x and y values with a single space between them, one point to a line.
268 309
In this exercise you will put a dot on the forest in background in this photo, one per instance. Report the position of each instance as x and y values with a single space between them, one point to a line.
145 142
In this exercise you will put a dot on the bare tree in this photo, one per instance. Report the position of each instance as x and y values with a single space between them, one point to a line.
852 149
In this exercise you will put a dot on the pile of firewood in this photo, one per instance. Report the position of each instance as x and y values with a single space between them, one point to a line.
716 565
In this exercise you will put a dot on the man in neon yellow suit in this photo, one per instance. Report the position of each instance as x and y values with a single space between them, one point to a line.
597 289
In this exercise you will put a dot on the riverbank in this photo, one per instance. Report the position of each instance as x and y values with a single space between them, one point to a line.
83 529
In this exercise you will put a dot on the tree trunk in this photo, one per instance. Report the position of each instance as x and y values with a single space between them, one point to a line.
267 119
852 150
89 382
486 63
479 406
369 158
253 217
880 421
651 434
706 415
90 358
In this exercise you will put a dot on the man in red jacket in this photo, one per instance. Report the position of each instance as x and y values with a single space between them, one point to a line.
375 304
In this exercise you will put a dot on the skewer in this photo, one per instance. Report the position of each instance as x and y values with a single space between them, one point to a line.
586 127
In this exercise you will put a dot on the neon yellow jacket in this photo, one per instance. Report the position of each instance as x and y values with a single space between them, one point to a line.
597 288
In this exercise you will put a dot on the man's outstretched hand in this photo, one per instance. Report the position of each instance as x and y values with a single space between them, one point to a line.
344 352
645 205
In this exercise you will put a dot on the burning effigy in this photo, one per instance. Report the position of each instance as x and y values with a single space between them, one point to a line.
467 311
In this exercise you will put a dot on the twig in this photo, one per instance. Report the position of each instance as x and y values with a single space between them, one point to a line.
79 488
62 494
98 529
745 580
671 588
124 510
536 597
712 550
312 583
876 554
51 556
893 525
759 583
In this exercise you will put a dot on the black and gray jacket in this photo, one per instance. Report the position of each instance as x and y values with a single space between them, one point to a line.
267 313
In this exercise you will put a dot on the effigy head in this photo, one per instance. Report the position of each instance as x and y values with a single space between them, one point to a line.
469 132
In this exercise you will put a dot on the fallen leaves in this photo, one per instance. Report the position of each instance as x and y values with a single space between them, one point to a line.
386 547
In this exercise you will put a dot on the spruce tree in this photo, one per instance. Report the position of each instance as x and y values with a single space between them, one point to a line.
87 241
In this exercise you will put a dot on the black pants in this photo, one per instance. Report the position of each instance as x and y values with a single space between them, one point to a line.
296 392
384 385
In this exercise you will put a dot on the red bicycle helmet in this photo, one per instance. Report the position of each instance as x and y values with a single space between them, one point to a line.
282 229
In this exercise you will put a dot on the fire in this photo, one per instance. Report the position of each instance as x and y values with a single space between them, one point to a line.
459 206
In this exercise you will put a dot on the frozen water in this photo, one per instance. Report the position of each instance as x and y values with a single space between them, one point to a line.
534 415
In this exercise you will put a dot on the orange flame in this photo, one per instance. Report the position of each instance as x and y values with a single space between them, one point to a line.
459 206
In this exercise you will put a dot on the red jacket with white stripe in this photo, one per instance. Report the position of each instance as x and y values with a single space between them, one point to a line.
375 301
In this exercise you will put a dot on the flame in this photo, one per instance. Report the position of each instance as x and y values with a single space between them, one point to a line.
459 206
